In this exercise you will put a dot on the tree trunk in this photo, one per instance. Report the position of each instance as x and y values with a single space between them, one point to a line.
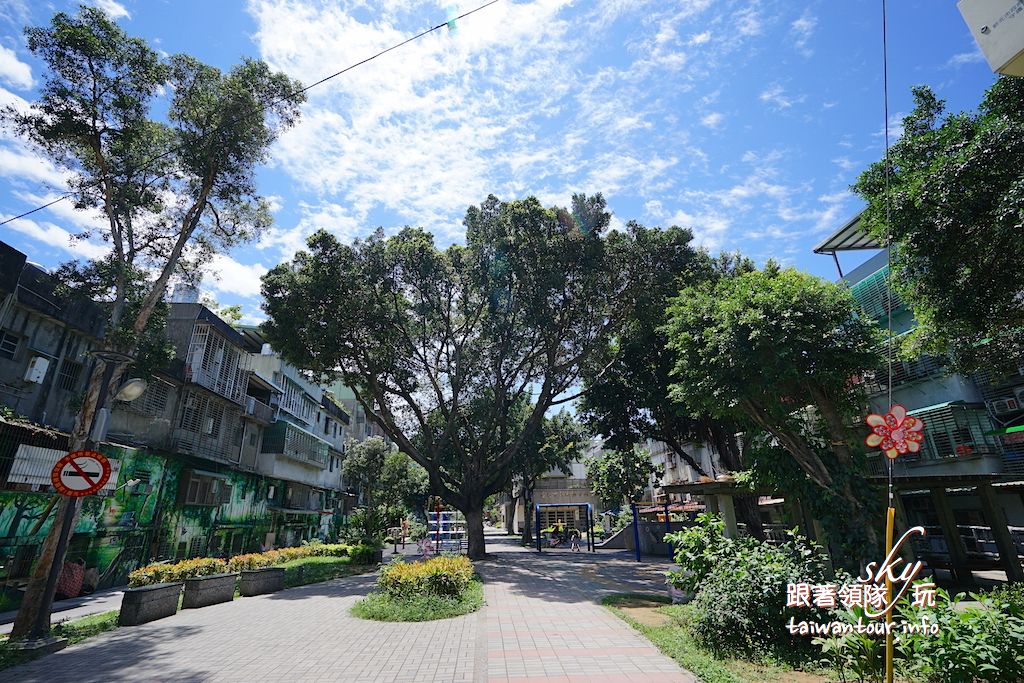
748 512
475 532
35 591
528 521
510 517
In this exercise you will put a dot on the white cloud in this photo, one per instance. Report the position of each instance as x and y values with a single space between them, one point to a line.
19 164
712 120
802 30
777 96
748 22
113 9
699 38
12 70
226 275
845 163
960 59
55 236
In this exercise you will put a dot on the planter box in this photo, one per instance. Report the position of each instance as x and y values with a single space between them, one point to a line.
148 603
208 590
261 581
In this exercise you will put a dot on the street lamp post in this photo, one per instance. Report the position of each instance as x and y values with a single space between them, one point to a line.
39 636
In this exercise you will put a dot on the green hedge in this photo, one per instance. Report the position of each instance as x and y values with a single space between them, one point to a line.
441 576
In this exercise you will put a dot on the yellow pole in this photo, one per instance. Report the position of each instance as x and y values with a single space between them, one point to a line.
890 521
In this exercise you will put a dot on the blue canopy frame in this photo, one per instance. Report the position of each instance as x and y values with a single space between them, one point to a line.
589 517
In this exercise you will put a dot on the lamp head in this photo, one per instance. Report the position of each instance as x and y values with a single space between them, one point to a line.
131 390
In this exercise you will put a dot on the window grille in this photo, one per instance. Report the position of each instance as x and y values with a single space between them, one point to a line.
70 373
8 344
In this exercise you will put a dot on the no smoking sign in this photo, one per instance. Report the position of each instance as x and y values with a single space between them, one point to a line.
81 473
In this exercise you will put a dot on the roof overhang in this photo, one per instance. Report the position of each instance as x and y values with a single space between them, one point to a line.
850 237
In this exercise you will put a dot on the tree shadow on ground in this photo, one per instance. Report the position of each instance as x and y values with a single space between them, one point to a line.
126 654
567 577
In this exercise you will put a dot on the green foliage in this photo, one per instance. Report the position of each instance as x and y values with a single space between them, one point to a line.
318 568
177 571
449 340
774 350
973 643
740 586
620 475
420 607
366 525
953 205
442 576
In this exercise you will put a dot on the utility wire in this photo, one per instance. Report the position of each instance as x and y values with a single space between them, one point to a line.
263 107
888 231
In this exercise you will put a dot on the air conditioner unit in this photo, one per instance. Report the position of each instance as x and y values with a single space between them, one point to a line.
36 370
1005 405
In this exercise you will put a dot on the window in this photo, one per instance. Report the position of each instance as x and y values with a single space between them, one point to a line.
70 373
252 438
199 489
8 344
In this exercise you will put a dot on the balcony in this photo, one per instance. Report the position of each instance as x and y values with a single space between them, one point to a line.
958 440
285 439
560 484
904 372
258 410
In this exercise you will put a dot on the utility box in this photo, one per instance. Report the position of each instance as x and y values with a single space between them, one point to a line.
998 26
36 370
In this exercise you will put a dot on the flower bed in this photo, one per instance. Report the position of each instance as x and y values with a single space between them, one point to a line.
205 566
437 588
178 571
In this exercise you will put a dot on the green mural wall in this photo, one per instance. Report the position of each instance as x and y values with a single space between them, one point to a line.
117 533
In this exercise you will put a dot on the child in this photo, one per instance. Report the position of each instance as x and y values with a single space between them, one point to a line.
575 540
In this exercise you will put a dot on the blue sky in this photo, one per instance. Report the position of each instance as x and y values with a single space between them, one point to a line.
745 120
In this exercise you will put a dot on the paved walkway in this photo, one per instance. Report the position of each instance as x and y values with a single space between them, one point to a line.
542 622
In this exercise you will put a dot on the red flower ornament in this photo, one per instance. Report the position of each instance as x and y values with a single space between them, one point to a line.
895 433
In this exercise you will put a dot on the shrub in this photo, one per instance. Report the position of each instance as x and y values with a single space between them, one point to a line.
439 576
362 554
179 571
740 586
973 643
383 607
250 561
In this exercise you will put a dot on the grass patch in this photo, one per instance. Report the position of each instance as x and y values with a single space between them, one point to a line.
675 641
381 607
306 570
75 630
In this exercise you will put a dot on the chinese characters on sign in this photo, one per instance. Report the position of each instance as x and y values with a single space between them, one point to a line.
869 594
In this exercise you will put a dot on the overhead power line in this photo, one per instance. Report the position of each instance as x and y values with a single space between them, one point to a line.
263 107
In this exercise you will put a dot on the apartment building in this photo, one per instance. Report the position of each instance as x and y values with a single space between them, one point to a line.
966 485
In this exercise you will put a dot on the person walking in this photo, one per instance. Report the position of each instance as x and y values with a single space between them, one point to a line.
575 541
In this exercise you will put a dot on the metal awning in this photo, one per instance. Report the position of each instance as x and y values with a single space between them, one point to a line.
850 237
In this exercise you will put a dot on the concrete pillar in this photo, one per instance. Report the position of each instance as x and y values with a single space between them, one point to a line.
1004 541
728 516
957 551
711 503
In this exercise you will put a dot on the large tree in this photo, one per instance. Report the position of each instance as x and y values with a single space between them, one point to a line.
173 188
628 386
951 200
776 349
439 345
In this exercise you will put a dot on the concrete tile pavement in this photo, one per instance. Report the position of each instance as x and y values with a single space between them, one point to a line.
541 623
